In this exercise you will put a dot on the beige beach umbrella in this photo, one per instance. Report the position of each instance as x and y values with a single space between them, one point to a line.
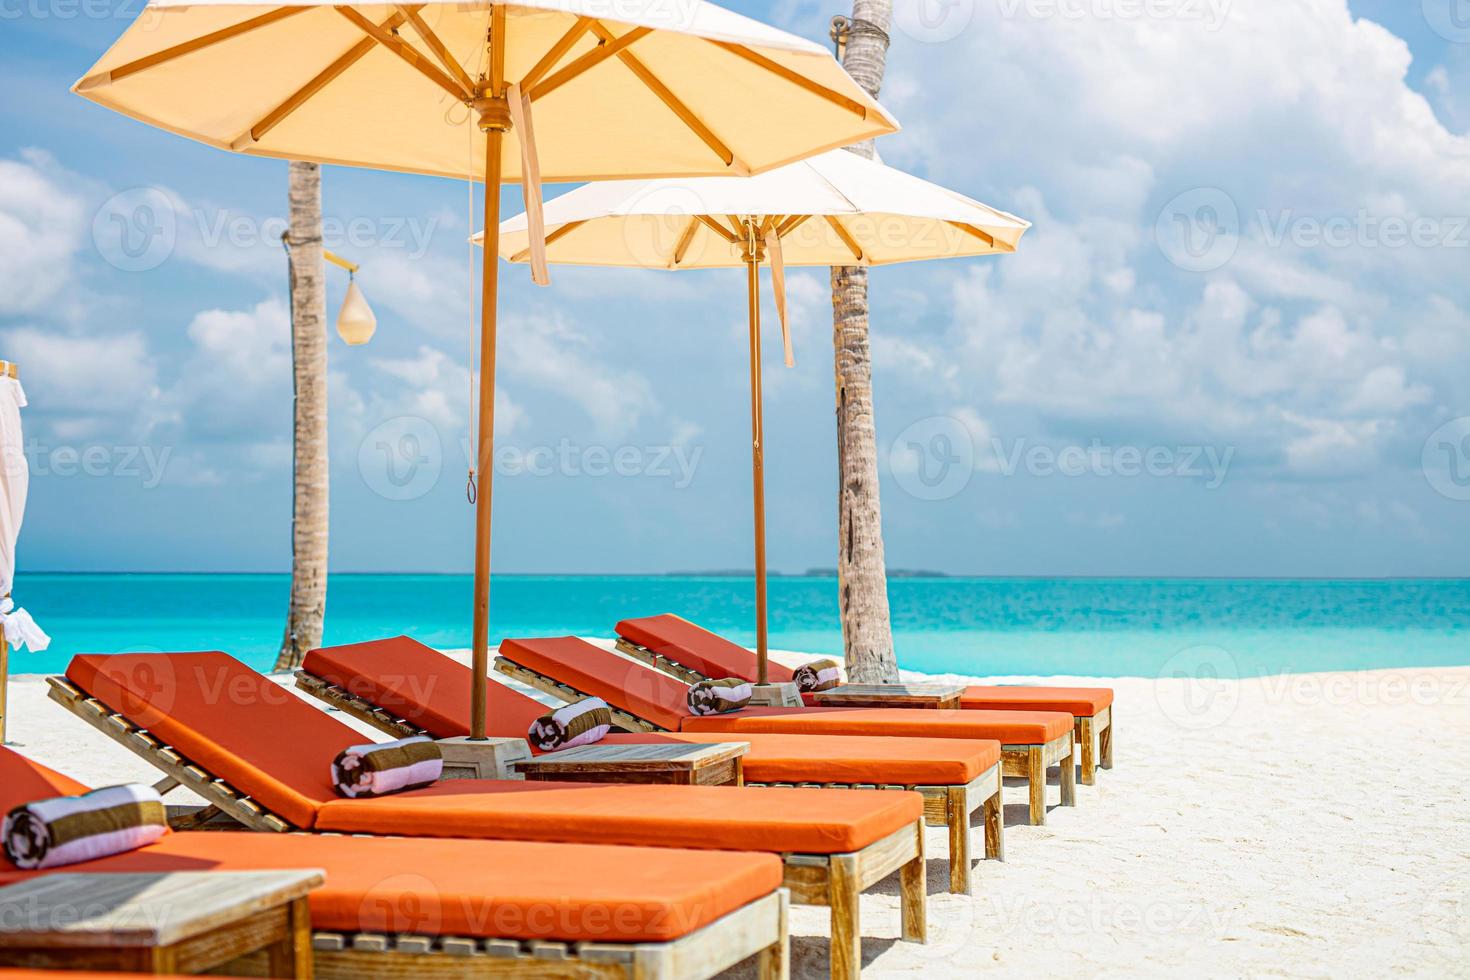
832 209
592 89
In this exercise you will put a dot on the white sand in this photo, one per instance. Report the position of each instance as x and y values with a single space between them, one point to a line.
1309 825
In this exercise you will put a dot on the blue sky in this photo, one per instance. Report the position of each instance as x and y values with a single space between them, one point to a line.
1235 343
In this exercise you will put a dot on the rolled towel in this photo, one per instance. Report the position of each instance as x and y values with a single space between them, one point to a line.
819 675
582 723
389 767
719 697
71 829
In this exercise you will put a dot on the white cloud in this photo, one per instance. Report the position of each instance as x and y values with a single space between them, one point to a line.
42 226
548 352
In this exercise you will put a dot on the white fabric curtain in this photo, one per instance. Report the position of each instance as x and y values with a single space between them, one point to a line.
15 479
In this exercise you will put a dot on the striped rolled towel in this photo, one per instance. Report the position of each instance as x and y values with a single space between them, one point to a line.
71 829
582 723
388 767
819 675
719 697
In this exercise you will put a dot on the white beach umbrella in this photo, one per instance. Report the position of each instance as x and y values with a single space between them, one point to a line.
15 478
617 88
832 209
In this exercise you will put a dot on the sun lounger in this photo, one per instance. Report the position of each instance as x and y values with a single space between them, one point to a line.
692 654
260 754
405 688
456 910
647 700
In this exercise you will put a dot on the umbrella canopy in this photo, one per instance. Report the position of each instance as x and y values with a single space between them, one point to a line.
638 87
833 209
635 88
865 213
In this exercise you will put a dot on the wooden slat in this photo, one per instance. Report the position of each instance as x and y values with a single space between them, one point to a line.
553 237
847 239
408 53
190 46
434 44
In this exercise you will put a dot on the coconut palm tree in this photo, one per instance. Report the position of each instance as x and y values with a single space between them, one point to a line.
309 364
862 578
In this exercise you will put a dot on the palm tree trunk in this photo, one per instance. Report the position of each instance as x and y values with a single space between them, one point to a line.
309 356
862 578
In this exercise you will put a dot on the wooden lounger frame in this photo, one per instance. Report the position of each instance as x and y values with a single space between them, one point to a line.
944 806
1028 762
834 880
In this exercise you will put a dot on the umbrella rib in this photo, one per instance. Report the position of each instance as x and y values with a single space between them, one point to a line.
654 84
551 238
554 54
681 247
410 55
816 88
187 47
737 226
718 229
591 59
323 78
791 224
842 233
426 33
984 236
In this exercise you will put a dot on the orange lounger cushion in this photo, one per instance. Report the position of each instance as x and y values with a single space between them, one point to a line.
422 685
809 821
228 719
697 648
235 722
1008 727
514 890
650 694
1083 702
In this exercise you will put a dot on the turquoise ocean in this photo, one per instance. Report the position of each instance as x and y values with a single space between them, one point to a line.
988 626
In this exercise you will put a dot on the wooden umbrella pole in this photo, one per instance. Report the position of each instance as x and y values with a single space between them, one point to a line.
757 444
494 121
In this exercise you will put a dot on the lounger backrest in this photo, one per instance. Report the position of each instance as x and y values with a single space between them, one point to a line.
233 721
622 683
697 648
421 685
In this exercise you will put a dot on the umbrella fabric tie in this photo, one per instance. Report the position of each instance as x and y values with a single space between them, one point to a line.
20 629
778 286
520 117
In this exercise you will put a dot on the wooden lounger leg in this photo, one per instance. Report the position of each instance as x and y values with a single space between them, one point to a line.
292 956
1069 776
1105 739
1036 777
847 944
774 962
957 815
995 843
913 894
1086 735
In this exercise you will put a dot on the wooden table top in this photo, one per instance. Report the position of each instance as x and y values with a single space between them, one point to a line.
893 692
636 758
140 910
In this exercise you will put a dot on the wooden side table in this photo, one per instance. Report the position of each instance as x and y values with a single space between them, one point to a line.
178 922
892 696
717 764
